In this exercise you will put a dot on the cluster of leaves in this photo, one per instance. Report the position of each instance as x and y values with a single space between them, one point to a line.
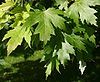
55 31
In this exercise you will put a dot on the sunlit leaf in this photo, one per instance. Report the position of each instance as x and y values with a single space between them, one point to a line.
45 19
16 37
81 9
82 66
64 52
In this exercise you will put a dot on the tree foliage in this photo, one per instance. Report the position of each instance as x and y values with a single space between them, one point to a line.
51 31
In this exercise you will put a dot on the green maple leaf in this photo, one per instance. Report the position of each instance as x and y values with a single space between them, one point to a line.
92 39
81 9
57 65
92 2
45 19
16 37
62 4
27 36
4 20
5 7
76 41
54 63
63 53
18 33
49 69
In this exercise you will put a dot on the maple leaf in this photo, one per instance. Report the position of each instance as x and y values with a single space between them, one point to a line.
81 9
16 37
51 65
15 40
4 20
5 7
57 65
92 39
76 41
63 53
45 19
62 4
49 69
92 2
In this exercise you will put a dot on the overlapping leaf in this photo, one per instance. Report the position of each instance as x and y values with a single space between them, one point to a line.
5 6
16 37
52 64
49 69
63 53
76 41
18 33
63 4
45 19
81 9
92 2
4 20
45 22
